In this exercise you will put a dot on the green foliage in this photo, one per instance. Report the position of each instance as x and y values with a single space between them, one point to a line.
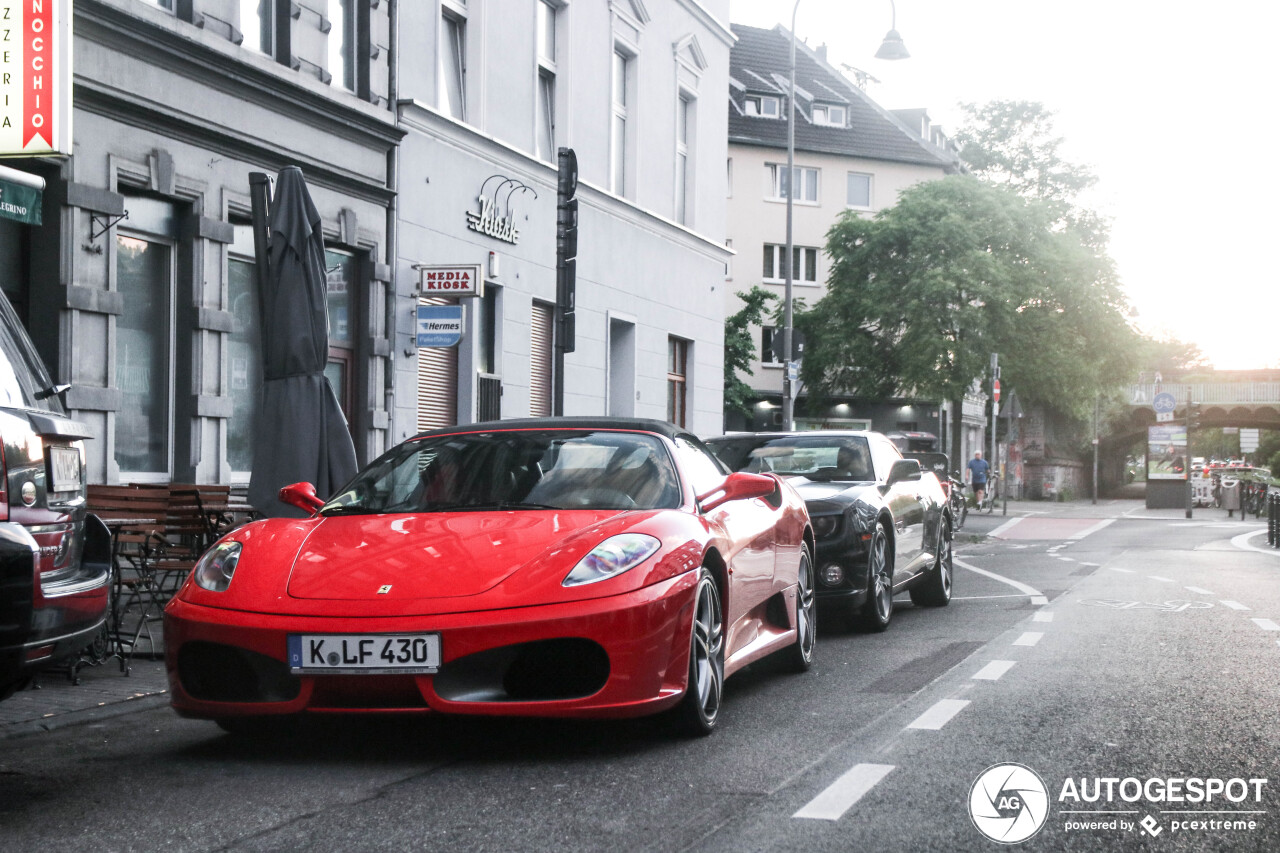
739 346
921 295
1013 144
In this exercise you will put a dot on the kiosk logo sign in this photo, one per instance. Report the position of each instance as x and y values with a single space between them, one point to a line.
1008 803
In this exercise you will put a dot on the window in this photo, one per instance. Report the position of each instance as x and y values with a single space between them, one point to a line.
767 336
163 4
762 105
806 181
828 115
342 43
257 22
451 73
729 178
704 469
244 350
859 191
340 279
677 380
804 263
488 307
545 120
683 109
618 128
145 271
540 359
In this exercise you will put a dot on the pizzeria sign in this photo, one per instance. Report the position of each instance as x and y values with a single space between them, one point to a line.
35 77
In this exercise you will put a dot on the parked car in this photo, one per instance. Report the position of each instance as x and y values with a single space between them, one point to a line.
54 558
883 525
563 567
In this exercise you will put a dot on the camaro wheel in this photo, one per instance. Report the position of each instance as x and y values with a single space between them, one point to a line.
935 589
799 656
700 707
878 609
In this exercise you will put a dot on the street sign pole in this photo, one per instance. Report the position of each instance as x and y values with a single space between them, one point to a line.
1186 456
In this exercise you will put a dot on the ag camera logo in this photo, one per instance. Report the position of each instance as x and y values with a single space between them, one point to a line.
1008 803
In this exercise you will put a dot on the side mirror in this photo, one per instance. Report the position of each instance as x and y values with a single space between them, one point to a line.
301 495
903 470
738 487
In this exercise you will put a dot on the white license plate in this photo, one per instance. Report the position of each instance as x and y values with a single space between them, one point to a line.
364 653
64 469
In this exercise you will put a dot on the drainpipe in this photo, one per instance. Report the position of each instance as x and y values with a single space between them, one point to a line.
393 221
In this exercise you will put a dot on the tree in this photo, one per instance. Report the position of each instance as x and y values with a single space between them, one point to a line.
1013 144
739 346
921 295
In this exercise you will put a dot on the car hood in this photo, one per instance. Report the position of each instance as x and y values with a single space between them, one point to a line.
821 490
427 555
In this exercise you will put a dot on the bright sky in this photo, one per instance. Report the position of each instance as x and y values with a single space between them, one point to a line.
1179 134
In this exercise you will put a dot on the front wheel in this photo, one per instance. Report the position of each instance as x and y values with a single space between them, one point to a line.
935 590
878 608
700 708
799 656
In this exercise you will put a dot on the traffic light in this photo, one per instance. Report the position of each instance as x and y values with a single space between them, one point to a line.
566 249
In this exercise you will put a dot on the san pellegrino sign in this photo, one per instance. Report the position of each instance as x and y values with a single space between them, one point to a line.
35 77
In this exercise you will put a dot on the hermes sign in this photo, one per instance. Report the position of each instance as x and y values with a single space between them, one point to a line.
35 77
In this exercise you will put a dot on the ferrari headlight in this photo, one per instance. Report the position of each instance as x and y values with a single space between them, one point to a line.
612 557
214 570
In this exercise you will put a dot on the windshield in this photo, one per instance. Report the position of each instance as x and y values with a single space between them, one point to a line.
815 457
518 469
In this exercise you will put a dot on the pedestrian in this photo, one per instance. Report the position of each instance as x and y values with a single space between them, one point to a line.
976 473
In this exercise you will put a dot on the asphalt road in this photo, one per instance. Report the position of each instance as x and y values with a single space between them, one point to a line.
1129 650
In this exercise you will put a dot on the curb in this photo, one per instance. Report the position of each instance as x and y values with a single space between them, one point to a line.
143 702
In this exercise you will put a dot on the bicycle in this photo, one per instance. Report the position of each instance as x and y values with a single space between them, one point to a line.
959 506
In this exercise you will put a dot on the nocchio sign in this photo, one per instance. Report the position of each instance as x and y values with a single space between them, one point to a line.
35 77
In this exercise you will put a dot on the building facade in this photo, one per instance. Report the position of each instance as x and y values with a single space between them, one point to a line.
490 90
850 155
139 287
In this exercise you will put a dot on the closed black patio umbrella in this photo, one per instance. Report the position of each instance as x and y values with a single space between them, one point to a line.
300 434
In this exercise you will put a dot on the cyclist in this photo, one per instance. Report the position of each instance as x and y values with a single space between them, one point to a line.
976 474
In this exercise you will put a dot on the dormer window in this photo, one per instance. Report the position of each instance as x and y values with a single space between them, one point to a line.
762 105
828 115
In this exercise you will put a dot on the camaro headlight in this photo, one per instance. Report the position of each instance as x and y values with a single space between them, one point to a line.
825 526
214 570
612 557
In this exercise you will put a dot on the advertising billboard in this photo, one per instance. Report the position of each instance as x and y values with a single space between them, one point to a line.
1167 452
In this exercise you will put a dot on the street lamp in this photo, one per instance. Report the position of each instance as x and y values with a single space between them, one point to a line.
891 48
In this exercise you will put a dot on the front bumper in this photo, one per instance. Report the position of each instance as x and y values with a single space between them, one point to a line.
621 656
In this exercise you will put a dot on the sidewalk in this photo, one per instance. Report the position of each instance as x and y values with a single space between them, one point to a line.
105 692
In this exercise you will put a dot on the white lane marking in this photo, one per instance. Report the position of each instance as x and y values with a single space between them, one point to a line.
1199 590
1266 624
1234 605
1042 616
1094 529
939 715
1092 565
1242 542
1067 559
1004 527
841 794
1030 638
1162 580
993 670
983 597
1037 597
1121 571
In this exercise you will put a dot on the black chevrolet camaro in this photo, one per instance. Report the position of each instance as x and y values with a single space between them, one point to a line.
882 524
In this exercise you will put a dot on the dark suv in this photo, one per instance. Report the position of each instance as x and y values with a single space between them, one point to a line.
54 557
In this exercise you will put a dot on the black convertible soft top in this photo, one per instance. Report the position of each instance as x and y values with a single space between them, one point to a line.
663 428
